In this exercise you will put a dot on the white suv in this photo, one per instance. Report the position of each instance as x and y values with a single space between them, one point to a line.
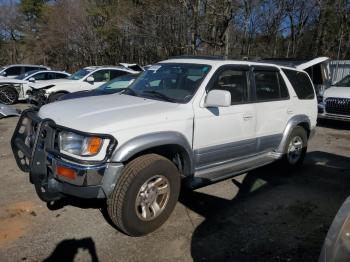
12 71
87 78
196 120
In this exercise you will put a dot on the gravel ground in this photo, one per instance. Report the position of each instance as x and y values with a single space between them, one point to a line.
269 214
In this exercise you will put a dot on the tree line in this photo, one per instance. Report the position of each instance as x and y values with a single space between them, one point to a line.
69 34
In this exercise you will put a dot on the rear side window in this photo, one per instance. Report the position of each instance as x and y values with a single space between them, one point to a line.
58 76
269 86
13 71
301 84
283 87
117 73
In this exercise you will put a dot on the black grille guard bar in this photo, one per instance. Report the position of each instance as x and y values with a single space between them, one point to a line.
20 142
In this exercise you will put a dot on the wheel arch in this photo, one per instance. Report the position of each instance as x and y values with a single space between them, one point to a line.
297 120
168 144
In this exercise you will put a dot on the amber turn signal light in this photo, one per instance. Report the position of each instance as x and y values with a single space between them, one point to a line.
94 145
66 172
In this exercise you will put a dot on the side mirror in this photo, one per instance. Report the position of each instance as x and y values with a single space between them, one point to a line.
3 74
90 79
218 98
32 80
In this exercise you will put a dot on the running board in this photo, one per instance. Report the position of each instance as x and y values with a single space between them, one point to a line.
235 167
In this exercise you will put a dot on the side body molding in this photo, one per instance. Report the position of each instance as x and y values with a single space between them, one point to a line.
292 123
148 141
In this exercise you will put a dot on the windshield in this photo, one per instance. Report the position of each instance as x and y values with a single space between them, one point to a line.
24 75
80 74
121 82
344 82
171 82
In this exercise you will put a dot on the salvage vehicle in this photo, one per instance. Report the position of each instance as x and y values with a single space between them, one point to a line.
20 84
12 71
116 85
87 78
193 120
334 102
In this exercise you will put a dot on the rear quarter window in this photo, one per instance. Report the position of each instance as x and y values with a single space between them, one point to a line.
301 84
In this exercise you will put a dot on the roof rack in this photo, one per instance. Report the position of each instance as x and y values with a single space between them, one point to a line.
198 57
290 62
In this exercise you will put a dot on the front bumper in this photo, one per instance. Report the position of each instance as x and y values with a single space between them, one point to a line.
36 97
33 144
323 114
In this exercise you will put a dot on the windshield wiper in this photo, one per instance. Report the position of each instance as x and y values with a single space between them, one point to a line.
159 95
129 91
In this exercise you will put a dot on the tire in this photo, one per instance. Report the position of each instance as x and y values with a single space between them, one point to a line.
123 205
294 157
8 95
54 97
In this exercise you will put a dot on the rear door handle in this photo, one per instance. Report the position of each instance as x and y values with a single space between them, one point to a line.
289 111
247 117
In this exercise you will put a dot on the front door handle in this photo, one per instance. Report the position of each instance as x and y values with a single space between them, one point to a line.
289 111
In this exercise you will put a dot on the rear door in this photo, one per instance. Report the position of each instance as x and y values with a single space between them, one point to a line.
226 133
273 106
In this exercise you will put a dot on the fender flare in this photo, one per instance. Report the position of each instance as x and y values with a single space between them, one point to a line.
292 123
149 141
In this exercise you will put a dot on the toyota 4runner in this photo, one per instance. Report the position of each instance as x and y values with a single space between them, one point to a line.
185 119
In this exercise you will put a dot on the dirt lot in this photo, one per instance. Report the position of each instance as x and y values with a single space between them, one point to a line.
266 215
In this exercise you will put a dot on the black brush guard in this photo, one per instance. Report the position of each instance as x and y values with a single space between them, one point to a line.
32 139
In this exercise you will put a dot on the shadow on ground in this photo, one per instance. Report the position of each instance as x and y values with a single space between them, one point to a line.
276 215
334 124
67 250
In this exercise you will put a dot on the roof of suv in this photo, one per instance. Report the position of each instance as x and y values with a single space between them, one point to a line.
219 62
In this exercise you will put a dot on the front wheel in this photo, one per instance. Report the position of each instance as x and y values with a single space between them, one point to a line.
8 95
296 147
145 195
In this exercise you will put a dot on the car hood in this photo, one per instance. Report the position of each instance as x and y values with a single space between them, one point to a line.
107 114
335 91
86 93
45 83
11 81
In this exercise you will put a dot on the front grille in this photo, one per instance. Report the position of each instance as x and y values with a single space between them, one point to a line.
339 106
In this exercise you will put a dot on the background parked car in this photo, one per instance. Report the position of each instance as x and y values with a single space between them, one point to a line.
11 71
114 86
14 89
334 102
87 78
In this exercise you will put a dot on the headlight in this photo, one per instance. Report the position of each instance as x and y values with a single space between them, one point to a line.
79 145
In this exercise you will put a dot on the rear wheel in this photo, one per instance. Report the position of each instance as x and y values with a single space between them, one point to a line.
145 195
296 147
8 95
